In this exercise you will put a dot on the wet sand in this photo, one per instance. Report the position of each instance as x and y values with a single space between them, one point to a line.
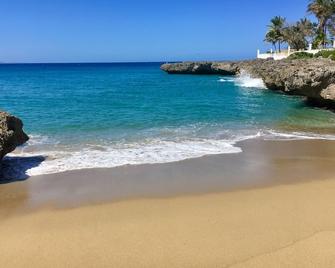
271 206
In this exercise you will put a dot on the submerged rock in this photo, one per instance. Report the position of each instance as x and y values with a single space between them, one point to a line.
11 133
313 78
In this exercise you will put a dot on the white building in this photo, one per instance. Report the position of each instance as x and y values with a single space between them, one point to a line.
285 53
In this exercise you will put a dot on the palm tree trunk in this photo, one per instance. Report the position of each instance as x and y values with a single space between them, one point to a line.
323 29
325 36
279 46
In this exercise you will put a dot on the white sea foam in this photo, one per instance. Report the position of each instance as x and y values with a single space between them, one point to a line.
275 135
223 80
133 154
29 160
245 80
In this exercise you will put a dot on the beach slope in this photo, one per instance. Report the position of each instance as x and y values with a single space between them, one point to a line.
281 226
271 206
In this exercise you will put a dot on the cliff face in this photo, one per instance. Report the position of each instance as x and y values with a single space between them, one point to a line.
299 77
11 133
313 78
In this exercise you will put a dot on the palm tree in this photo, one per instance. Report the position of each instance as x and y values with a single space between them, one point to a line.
331 28
307 29
298 35
295 37
275 29
271 37
323 10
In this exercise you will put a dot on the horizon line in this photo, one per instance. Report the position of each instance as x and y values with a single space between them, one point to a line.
86 62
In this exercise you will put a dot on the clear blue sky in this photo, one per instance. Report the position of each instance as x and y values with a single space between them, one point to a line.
137 30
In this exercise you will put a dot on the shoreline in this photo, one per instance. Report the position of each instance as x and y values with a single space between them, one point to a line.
25 162
270 206
261 164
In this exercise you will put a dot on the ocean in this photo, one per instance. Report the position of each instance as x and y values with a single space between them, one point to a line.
107 115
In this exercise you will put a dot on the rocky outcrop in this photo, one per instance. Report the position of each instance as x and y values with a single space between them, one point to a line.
306 77
328 93
313 78
223 68
11 133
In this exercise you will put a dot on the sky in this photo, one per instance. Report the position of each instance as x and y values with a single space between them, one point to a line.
34 31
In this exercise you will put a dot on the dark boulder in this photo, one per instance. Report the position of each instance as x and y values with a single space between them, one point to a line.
11 133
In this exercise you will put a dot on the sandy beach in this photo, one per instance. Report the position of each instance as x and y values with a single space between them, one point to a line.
177 134
270 206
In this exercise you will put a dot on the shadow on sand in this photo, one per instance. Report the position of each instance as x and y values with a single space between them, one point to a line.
15 168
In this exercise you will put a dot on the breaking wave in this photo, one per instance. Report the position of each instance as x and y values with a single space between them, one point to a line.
97 156
57 158
245 80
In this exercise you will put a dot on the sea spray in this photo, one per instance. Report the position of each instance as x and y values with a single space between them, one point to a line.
246 80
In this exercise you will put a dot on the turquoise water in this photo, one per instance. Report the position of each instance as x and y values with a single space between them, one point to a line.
104 115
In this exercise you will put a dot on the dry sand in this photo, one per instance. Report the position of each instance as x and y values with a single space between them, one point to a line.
282 226
288 223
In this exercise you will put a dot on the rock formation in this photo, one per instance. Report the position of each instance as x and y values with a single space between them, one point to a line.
11 133
313 78
187 68
223 68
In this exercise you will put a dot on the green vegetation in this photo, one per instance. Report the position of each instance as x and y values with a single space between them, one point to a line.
275 33
300 55
328 54
298 35
324 11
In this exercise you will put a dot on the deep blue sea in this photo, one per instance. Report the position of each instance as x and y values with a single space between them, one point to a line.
106 115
